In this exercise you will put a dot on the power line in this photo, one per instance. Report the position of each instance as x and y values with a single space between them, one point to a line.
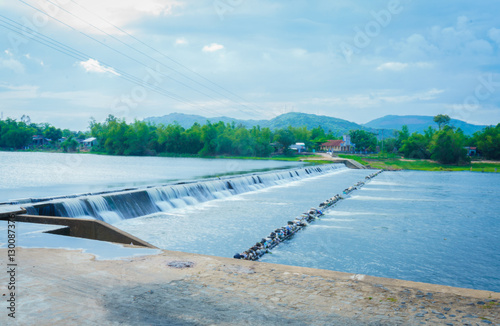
115 50
171 59
69 51
142 52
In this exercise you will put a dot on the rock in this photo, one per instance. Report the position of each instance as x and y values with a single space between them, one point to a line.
181 264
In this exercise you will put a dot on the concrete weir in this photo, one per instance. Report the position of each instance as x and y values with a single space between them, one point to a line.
72 287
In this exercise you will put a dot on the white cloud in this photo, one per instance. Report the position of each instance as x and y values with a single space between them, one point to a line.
213 47
29 57
480 47
11 63
299 52
92 65
393 66
98 12
12 92
181 41
494 35
376 99
400 66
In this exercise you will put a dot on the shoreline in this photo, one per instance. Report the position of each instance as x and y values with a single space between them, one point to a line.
69 287
387 164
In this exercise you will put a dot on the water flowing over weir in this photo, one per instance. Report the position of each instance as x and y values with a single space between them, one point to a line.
115 206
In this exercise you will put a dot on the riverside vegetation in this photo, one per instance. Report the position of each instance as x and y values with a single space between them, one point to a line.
445 146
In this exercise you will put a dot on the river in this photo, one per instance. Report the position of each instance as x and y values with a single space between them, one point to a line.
435 227
38 174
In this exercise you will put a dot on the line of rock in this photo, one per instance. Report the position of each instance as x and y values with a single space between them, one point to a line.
284 233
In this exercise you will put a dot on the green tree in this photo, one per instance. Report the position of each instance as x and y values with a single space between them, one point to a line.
488 142
363 140
14 134
193 138
442 120
53 133
209 138
171 138
401 136
285 138
447 147
416 147
70 145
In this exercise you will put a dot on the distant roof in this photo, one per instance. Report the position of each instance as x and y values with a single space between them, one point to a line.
336 142
89 140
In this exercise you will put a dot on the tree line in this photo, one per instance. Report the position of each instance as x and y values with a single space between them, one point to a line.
117 137
447 144
19 135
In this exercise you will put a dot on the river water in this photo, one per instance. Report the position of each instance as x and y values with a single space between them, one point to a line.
35 174
435 227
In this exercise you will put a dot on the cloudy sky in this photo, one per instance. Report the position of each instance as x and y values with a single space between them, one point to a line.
64 61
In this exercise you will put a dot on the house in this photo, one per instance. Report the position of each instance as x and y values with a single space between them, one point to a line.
39 140
338 145
471 151
299 147
89 142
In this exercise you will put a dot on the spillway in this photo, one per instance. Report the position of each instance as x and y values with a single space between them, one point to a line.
112 207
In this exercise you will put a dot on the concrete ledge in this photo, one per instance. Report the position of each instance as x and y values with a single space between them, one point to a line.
62 287
8 210
87 228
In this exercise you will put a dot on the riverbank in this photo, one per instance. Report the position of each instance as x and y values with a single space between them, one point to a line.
389 162
398 163
63 287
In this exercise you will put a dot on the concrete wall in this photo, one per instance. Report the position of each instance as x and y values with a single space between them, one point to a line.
86 228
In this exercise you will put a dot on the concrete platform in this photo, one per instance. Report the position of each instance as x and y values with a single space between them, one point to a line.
68 287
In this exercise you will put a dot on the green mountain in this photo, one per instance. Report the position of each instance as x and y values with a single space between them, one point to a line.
187 120
294 119
418 123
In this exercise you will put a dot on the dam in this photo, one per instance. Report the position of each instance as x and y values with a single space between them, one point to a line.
114 206
413 226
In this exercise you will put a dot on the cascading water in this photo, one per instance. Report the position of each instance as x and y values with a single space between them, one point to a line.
74 208
102 209
112 207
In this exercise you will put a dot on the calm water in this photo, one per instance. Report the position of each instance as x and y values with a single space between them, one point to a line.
31 175
435 227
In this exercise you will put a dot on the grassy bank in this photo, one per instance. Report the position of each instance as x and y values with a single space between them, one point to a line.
393 162
292 158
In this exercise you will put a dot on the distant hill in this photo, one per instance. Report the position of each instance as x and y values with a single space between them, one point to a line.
418 123
187 120
294 119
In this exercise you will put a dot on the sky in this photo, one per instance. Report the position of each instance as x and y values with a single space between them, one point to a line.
67 61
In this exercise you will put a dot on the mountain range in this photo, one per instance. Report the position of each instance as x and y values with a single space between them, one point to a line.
339 127
418 123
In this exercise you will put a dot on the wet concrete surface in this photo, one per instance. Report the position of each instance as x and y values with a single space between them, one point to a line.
68 287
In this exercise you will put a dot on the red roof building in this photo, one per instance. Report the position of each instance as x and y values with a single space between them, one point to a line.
337 145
